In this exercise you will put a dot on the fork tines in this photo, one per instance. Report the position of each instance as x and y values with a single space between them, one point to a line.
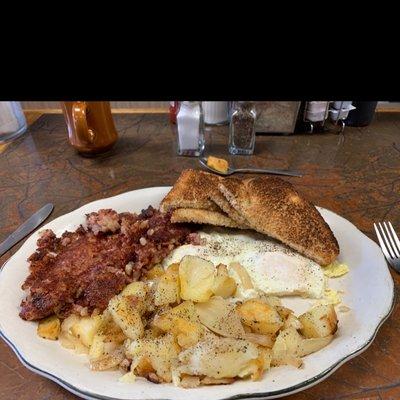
388 240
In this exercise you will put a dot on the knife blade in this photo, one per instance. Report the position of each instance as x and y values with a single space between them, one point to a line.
26 228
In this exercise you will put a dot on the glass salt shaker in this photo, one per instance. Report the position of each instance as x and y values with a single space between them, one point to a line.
242 128
190 128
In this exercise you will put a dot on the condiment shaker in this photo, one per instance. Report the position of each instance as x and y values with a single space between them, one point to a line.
190 128
311 116
316 111
242 128
215 112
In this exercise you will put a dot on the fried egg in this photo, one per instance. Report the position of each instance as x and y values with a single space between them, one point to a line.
273 268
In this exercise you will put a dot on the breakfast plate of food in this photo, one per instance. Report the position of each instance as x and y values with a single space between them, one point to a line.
216 288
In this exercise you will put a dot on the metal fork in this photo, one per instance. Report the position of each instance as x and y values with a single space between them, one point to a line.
390 243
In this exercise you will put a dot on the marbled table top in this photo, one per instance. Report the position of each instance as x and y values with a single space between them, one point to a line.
356 176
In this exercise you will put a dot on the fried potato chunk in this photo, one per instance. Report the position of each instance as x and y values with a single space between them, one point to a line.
290 346
86 328
156 272
138 295
126 315
161 353
320 321
185 310
260 317
220 358
49 328
218 164
196 278
182 322
168 287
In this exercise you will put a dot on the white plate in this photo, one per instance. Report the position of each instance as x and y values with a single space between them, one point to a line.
368 291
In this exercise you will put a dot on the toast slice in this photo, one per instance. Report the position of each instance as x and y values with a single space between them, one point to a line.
192 190
224 205
190 200
272 206
199 216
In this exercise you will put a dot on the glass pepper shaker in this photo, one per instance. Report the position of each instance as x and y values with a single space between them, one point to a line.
190 128
242 128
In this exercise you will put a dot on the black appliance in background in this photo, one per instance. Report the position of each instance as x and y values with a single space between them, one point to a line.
363 113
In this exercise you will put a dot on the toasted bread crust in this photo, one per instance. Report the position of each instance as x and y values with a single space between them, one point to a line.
207 217
192 190
225 206
272 206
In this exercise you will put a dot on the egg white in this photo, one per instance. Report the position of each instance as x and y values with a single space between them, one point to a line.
274 268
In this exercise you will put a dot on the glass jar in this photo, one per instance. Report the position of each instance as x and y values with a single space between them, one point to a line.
190 128
12 120
215 112
242 128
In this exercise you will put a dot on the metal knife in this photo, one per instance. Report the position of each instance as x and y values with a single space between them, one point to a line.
26 228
